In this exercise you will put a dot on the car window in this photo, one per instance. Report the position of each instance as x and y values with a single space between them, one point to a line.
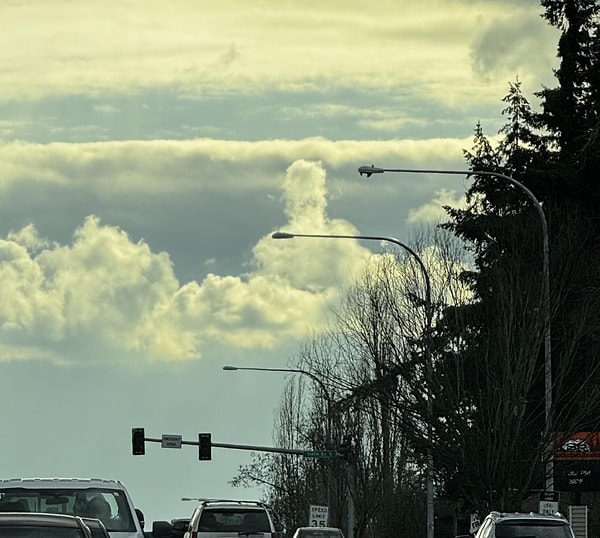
533 529
233 520
108 505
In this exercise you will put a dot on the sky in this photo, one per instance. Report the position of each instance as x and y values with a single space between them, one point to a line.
148 150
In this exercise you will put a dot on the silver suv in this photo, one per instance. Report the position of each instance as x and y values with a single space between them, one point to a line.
521 525
218 518
107 500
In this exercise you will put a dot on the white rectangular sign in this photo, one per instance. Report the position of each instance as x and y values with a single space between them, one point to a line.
170 441
318 516
548 507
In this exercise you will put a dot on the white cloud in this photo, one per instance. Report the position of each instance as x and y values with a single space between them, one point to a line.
165 165
433 211
105 296
128 298
51 47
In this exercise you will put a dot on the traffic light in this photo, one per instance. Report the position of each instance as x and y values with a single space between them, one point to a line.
204 446
138 445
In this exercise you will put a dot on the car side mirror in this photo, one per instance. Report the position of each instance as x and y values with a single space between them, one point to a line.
140 516
162 529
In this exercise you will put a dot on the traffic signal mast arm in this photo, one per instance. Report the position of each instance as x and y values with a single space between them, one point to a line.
139 438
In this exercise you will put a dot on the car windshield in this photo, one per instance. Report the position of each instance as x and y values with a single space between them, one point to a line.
533 529
234 520
108 505
38 531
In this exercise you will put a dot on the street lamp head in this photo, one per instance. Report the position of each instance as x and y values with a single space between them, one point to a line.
282 235
230 368
370 170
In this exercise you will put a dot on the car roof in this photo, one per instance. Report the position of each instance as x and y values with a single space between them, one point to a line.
337 529
73 483
233 503
319 528
527 516
32 518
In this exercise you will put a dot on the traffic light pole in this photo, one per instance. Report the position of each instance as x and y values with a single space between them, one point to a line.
174 441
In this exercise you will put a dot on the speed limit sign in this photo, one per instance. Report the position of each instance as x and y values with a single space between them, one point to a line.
318 516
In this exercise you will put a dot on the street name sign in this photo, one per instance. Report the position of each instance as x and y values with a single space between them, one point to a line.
170 441
319 453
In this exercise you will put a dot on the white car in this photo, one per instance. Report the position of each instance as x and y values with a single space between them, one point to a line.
107 500
318 532
524 525
218 518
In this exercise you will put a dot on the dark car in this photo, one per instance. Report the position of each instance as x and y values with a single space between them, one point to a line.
180 526
38 525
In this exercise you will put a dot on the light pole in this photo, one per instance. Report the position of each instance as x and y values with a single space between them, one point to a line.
370 170
427 353
328 399
315 378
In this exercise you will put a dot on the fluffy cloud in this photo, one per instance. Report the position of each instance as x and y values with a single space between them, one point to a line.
101 294
105 296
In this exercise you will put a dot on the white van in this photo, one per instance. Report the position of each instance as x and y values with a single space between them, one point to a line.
107 500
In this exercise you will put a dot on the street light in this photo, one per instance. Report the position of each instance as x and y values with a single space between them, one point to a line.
428 323
315 378
370 170
329 401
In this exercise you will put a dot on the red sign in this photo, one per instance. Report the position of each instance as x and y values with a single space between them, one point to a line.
578 446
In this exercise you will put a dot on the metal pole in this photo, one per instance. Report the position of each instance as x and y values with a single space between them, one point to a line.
370 170
315 378
328 399
428 358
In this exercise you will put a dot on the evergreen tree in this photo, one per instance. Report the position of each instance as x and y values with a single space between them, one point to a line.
556 154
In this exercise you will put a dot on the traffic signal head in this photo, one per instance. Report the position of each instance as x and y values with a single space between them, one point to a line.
204 446
138 445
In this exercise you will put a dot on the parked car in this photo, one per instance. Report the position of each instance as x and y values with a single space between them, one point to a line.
214 518
35 525
318 532
521 525
107 500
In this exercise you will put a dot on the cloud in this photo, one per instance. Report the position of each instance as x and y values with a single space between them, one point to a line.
105 296
433 211
201 48
102 294
503 45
